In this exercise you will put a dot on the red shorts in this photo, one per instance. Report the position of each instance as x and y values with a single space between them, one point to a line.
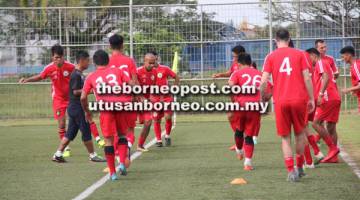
329 111
130 119
59 108
290 114
157 115
112 122
144 116
249 122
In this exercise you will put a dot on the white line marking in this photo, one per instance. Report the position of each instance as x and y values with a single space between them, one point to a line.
91 189
346 157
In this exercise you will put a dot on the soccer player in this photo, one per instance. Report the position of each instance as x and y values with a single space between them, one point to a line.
146 76
328 104
59 72
293 98
76 113
111 122
320 45
127 64
348 56
162 75
249 121
234 67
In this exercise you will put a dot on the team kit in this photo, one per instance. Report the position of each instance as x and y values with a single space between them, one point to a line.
301 84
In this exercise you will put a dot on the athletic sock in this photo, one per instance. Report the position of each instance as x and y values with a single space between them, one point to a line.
289 163
307 155
329 142
168 126
141 141
239 139
249 147
110 158
157 130
312 142
61 133
122 149
299 161
94 130
130 137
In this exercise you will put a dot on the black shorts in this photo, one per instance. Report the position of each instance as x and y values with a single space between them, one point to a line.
77 121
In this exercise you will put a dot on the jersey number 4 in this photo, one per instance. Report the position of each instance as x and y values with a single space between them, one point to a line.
285 66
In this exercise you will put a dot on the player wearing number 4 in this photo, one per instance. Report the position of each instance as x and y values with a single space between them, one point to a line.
249 121
293 98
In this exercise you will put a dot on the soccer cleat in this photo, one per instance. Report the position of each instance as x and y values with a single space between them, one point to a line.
167 142
255 139
122 169
97 159
113 177
240 156
232 148
331 154
159 144
334 159
293 177
142 149
101 143
300 172
318 158
58 159
67 153
248 167
312 166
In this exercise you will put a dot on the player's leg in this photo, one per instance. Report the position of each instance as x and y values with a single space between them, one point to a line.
239 134
331 127
157 115
307 153
300 140
232 120
95 133
252 127
288 158
147 121
122 125
168 127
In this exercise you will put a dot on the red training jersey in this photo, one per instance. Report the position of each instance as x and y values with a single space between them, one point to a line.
355 75
234 67
331 92
146 77
162 74
286 65
332 63
124 63
110 76
60 79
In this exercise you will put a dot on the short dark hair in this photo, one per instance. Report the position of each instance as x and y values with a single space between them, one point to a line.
238 49
348 49
153 53
254 65
244 59
57 49
101 58
291 43
283 34
319 41
116 41
81 55
313 51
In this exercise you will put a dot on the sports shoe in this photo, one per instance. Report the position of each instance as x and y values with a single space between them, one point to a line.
318 158
312 166
334 159
142 149
293 177
58 159
122 170
101 143
332 153
106 170
300 172
167 142
159 144
255 140
113 177
248 167
67 153
232 148
97 159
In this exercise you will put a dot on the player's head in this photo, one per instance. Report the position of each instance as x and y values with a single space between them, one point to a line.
314 55
347 54
320 45
282 37
82 59
57 54
244 59
149 61
116 42
236 51
101 58
157 58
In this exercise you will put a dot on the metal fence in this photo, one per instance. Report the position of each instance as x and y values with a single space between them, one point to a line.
203 35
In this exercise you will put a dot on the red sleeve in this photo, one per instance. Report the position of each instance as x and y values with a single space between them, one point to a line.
170 73
87 85
325 68
132 67
303 61
268 64
124 77
355 72
333 65
234 78
45 72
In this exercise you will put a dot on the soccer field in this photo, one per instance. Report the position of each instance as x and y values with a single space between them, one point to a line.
197 166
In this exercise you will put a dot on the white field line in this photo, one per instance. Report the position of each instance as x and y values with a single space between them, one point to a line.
346 157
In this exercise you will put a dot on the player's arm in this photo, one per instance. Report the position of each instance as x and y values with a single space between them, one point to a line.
222 75
34 78
84 100
324 85
177 80
263 85
75 84
335 68
309 89
352 89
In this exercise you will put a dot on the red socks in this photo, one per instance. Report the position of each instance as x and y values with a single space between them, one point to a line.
61 133
312 142
94 130
249 149
157 130
131 137
110 158
329 142
122 149
307 155
299 161
141 141
168 126
289 163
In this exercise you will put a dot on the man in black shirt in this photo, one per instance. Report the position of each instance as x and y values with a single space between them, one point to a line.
76 113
